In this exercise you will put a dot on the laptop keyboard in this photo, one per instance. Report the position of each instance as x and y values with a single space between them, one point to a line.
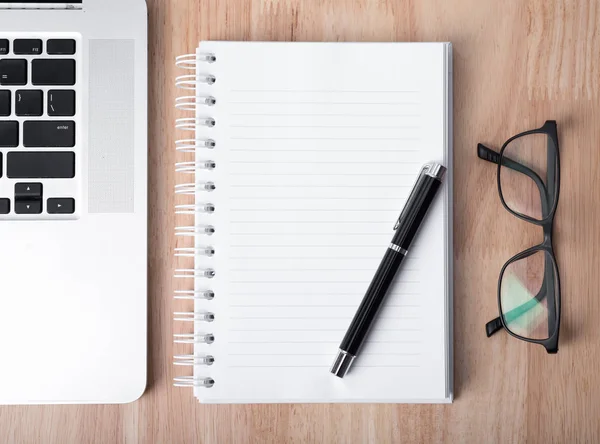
38 126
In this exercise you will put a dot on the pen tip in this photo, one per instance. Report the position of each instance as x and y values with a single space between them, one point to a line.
342 363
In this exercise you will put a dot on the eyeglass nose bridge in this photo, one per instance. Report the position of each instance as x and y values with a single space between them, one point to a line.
547 242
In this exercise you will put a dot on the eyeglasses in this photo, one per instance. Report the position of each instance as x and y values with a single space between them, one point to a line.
529 285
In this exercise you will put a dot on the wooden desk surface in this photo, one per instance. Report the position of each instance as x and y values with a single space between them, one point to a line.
516 64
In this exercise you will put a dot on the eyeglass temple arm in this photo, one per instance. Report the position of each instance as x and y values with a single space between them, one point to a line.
549 278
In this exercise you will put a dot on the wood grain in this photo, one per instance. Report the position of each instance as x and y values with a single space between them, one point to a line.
516 64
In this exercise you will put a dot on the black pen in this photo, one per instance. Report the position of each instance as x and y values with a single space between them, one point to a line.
418 202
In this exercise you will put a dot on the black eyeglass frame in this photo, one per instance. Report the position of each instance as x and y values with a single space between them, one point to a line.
549 202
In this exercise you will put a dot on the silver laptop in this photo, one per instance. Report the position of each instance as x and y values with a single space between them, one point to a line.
73 201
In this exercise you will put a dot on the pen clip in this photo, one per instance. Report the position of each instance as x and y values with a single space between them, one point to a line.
424 169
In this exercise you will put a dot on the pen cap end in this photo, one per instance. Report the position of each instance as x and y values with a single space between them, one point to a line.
435 170
342 363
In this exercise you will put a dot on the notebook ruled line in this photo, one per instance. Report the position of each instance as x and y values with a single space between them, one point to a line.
316 306
324 138
242 185
327 91
321 318
266 258
323 354
301 222
321 366
315 282
320 294
283 197
312 233
374 127
320 330
296 246
320 210
233 341
334 162
249 114
275 270
252 150
288 103
267 173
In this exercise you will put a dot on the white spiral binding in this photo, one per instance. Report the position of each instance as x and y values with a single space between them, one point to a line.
190 103
195 230
194 295
194 209
194 104
193 338
191 123
194 251
191 145
189 81
193 316
192 188
192 360
191 381
189 61
192 167
194 273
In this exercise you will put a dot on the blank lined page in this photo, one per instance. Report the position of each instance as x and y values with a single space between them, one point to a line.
318 146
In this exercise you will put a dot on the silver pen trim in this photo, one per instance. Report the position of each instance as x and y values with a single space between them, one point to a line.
398 248
434 170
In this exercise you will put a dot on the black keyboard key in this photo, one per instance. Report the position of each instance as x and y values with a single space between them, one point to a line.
28 191
53 72
48 133
27 46
61 205
4 46
28 198
61 102
4 206
40 165
29 102
9 134
13 72
60 46
4 103
28 206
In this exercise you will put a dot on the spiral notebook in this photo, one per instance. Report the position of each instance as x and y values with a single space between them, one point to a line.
295 160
